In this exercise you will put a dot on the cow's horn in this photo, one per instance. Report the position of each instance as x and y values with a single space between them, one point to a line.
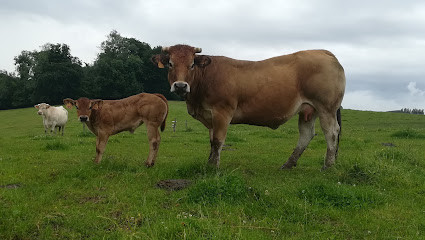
198 50
165 49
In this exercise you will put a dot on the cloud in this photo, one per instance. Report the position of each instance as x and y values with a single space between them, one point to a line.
367 100
380 44
414 91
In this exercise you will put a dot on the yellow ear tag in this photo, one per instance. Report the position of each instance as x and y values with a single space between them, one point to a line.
160 65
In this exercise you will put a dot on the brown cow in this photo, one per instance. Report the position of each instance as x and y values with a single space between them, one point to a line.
108 117
220 91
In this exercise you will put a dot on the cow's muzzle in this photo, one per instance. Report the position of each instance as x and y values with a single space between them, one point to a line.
181 88
83 118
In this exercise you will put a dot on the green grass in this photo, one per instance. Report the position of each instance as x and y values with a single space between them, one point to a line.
51 189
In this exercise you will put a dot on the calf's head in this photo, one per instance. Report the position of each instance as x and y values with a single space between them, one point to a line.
84 107
182 63
42 107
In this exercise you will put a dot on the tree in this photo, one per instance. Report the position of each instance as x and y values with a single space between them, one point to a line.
7 88
24 84
117 71
56 74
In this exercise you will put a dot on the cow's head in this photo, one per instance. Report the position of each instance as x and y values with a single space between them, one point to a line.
182 63
84 107
41 108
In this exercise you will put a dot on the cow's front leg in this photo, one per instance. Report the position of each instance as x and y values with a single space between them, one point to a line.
53 128
220 124
101 141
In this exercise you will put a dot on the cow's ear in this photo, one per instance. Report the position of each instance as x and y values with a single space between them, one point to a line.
96 104
37 106
202 60
160 60
69 102
47 105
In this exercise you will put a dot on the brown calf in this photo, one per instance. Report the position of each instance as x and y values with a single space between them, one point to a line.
108 117
220 91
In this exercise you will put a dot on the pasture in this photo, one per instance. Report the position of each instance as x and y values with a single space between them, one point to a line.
51 189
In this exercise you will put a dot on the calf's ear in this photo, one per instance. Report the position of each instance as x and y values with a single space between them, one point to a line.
202 60
96 104
160 60
69 102
37 106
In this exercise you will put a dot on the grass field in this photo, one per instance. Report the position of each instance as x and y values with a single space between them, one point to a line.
51 189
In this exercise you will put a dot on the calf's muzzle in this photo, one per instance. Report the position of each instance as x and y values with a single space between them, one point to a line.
83 118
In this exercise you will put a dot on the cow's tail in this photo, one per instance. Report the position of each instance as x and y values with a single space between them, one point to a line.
338 119
166 114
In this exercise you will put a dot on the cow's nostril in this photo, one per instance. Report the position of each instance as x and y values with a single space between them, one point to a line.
181 85
83 118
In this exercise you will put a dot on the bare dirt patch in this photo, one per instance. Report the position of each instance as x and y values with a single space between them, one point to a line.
174 184
11 186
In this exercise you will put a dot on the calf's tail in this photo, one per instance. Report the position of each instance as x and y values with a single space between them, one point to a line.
166 114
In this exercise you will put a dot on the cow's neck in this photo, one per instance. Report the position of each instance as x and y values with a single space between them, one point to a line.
198 91
93 121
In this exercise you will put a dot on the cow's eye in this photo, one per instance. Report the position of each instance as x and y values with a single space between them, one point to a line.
170 64
192 66
76 107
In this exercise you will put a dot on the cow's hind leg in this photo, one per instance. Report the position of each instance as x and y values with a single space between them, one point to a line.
154 140
306 122
331 129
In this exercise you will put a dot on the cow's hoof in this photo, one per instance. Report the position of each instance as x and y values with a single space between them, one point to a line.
215 164
148 165
325 168
288 166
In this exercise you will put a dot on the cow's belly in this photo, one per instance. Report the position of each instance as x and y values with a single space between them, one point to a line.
268 115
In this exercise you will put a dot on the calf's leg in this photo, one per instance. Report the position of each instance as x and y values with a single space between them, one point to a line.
306 130
154 140
101 141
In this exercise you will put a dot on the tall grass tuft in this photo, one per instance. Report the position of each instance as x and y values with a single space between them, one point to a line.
56 146
408 134
339 196
228 188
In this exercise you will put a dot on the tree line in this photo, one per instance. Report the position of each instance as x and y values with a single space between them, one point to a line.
410 111
122 68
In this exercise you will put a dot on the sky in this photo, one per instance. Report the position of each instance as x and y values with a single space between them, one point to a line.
380 44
